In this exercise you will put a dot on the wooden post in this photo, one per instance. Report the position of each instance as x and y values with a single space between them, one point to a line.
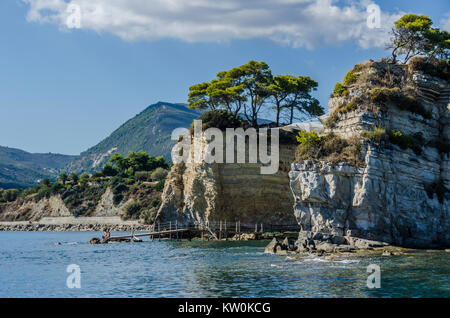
152 229
239 230
176 228
159 232
170 230
220 230
226 235
262 229
256 227
236 232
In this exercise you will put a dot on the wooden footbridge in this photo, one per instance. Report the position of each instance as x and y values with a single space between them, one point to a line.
211 230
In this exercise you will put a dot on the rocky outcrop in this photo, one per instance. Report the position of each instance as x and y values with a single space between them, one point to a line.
393 198
202 192
106 206
29 209
32 210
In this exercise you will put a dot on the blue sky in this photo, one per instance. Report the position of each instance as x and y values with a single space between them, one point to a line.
65 90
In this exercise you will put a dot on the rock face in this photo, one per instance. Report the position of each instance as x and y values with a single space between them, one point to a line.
388 199
201 192
31 210
28 209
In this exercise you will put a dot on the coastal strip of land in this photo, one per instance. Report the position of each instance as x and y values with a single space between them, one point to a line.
69 224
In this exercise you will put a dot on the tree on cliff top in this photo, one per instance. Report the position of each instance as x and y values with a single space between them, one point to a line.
250 88
293 94
413 35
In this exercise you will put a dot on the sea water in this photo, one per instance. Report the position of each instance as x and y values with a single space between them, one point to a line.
34 264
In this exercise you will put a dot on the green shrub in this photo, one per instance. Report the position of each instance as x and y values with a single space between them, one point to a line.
383 94
160 186
350 106
376 135
149 216
339 90
98 175
405 99
358 68
119 188
45 192
401 140
9 195
159 174
117 198
220 119
58 188
432 67
350 78
132 211
109 170
329 148
414 142
155 203
143 175
331 120
307 139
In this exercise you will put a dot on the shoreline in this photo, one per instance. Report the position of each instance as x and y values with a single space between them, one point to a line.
33 227
72 224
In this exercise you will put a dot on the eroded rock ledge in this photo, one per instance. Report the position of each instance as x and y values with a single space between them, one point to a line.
388 199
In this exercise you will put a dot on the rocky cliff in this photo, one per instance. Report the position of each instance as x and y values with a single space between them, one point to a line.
399 194
202 192
29 209
378 172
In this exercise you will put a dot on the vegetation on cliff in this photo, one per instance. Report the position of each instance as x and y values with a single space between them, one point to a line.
377 135
385 84
220 119
329 148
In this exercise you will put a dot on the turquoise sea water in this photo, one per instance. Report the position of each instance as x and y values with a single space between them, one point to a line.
33 264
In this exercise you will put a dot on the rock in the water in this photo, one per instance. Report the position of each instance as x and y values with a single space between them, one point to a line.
272 247
387 253
95 241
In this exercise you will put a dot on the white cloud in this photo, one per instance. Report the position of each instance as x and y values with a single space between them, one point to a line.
298 23
445 23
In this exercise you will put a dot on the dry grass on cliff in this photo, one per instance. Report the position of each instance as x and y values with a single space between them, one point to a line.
329 148
377 86
432 67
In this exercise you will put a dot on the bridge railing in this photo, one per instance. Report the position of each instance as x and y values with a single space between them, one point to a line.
230 226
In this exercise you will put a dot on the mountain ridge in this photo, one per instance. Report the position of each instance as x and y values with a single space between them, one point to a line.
148 131
22 169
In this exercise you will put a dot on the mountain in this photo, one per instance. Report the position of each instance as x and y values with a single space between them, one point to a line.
149 131
21 169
